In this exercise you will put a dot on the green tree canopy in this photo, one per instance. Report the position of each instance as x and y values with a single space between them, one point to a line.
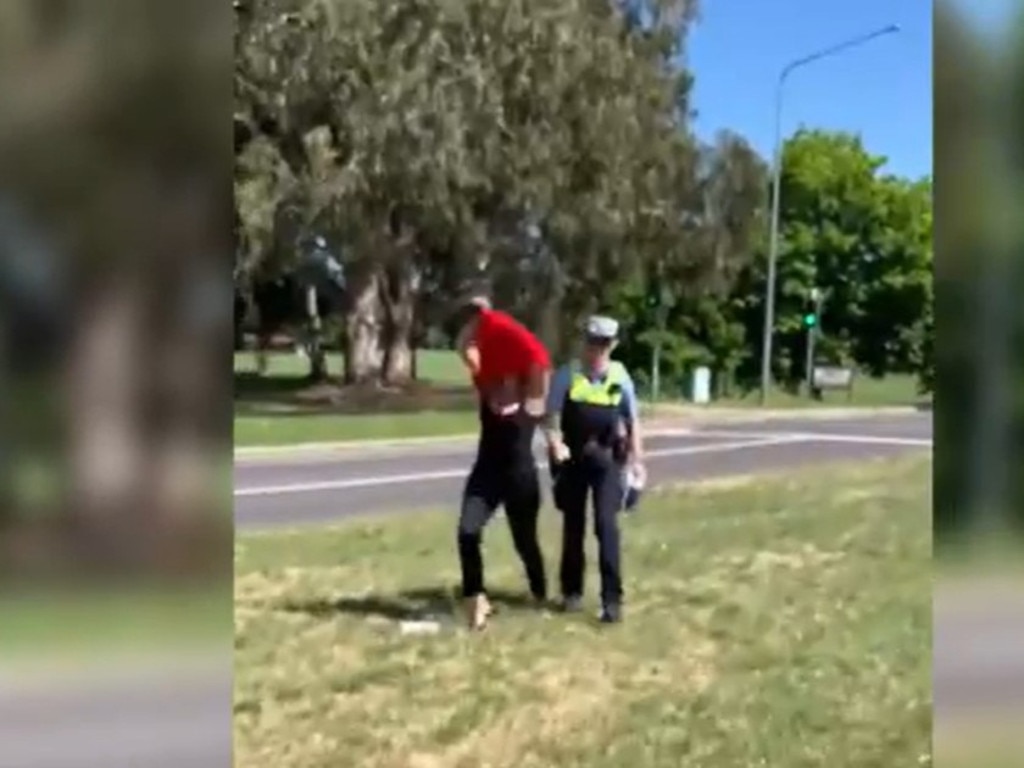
863 238
426 134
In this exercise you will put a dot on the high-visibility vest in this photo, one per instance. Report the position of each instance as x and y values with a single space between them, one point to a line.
607 392
591 408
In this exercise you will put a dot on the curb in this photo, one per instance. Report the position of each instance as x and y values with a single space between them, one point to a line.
668 421
255 451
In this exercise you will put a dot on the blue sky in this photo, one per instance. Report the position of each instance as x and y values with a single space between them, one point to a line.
882 90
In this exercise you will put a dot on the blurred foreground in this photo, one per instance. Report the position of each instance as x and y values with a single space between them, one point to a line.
115 336
979 612
115 528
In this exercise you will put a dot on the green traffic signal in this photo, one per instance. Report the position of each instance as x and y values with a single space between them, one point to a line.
810 319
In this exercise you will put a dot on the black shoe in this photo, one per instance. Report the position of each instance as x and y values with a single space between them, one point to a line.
611 613
572 604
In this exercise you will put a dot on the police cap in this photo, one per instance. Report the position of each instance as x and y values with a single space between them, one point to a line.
602 328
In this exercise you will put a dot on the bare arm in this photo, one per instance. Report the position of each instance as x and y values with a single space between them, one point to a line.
631 405
538 384
552 434
557 391
468 350
636 442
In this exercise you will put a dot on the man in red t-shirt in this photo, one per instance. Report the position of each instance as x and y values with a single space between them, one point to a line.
509 364
511 370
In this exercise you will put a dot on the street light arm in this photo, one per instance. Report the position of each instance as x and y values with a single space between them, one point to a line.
832 50
773 237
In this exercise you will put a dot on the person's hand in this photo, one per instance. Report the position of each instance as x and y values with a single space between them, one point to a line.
639 473
503 398
535 407
471 359
559 451
536 391
505 410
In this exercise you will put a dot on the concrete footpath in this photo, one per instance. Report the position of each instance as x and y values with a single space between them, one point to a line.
669 419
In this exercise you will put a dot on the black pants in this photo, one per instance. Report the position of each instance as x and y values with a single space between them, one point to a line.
601 479
517 488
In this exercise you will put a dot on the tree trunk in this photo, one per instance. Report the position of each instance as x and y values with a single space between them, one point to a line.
317 363
263 334
315 347
363 358
400 304
8 514
107 450
144 492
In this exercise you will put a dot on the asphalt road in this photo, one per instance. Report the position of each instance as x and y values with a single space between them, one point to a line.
153 714
315 489
977 650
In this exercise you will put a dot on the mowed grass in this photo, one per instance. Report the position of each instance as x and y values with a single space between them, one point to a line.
91 621
252 431
417 415
440 366
416 418
893 390
782 623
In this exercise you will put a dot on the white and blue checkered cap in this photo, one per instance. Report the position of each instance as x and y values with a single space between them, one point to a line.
600 327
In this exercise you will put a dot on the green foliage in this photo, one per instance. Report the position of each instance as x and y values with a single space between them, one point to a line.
686 303
864 240
545 146
427 135
861 237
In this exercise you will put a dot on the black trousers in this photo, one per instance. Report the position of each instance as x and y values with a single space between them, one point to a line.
601 479
491 485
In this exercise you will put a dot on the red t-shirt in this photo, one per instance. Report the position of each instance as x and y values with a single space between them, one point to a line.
507 349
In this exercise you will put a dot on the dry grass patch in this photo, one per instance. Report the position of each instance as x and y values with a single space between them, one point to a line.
781 622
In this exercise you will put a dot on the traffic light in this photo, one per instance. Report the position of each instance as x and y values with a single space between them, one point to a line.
812 309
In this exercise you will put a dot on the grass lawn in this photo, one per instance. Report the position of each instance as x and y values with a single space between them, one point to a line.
326 428
892 390
782 622
281 413
95 621
440 366
448 410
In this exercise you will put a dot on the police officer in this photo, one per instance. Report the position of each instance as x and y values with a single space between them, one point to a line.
593 434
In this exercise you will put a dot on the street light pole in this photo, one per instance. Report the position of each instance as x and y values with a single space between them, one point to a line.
773 237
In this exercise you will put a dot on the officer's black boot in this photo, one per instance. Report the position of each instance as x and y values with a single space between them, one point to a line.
611 613
572 603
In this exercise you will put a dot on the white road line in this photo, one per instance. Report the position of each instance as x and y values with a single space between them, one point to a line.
312 454
761 441
824 437
910 442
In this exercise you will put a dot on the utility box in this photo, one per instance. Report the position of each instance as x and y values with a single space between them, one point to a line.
700 385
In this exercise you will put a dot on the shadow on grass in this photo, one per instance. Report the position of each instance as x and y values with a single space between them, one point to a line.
408 605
